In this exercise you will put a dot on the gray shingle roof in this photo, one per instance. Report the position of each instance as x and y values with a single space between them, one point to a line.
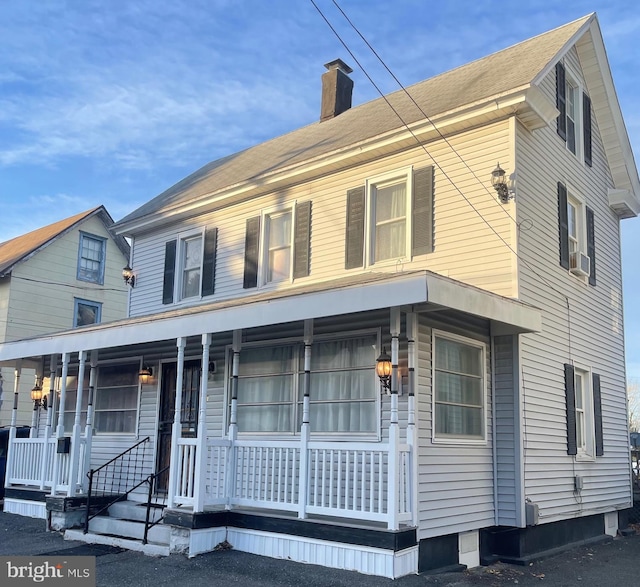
470 83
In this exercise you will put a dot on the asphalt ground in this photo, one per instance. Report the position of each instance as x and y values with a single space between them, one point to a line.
615 562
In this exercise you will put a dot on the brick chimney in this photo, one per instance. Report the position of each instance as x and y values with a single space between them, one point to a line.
337 88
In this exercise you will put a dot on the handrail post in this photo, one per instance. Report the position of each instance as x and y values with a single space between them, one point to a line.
86 519
394 433
305 429
150 480
201 443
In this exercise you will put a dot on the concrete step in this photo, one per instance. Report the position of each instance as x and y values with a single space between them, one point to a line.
133 510
148 549
129 529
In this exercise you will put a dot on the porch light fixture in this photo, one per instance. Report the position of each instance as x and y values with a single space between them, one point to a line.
499 182
383 369
128 276
38 397
145 373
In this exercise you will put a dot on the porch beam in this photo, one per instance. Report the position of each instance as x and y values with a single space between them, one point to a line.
201 445
176 429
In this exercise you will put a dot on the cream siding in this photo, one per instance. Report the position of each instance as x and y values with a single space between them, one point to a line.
455 481
466 247
581 323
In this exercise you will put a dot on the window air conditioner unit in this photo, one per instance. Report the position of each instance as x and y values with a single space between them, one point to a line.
580 264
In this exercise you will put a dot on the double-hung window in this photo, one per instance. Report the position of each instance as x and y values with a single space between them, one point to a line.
459 389
91 258
189 266
390 218
277 245
574 120
343 393
577 235
584 412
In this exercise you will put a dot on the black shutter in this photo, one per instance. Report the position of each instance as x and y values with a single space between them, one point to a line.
586 134
563 226
591 245
169 271
570 391
597 414
422 209
209 261
354 246
251 249
561 100
302 240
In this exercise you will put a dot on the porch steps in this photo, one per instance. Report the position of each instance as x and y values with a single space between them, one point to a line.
124 526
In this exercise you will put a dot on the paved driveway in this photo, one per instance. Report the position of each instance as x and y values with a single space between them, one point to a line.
614 563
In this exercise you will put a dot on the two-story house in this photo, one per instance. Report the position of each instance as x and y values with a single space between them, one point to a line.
364 344
61 276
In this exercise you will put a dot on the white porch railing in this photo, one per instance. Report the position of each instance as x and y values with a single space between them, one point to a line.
32 464
342 479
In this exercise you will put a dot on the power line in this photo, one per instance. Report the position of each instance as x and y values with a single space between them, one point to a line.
78 287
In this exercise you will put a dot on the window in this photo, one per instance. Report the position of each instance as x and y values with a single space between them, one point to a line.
574 120
577 236
343 392
115 402
91 257
86 312
192 257
458 388
584 412
190 266
277 245
390 218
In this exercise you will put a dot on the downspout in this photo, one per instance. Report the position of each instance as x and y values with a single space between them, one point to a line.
494 442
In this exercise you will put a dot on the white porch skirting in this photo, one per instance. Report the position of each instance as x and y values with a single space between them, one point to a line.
336 555
23 507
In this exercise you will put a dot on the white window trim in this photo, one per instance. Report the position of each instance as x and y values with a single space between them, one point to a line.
263 254
588 451
178 269
483 348
406 174
375 436
580 205
572 79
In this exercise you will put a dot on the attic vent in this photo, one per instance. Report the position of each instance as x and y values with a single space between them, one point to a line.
337 88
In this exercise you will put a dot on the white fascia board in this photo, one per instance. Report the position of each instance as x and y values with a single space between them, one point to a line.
404 290
455 295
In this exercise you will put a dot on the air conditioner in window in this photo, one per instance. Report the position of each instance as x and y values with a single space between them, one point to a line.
580 264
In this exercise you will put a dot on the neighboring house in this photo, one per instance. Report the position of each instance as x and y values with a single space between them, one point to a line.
269 285
64 275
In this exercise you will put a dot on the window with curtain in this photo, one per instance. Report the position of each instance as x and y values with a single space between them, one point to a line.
116 398
278 246
71 396
343 394
458 389
390 211
191 262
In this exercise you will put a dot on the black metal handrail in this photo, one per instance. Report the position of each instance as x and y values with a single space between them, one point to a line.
148 524
117 478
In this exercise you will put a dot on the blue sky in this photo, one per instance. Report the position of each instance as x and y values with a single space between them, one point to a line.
112 102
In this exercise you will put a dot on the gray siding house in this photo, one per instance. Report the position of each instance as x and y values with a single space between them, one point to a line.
241 396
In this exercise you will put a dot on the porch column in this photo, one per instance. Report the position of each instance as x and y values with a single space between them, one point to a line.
394 432
33 432
201 446
14 422
88 429
233 418
60 428
74 465
412 473
176 429
46 456
305 429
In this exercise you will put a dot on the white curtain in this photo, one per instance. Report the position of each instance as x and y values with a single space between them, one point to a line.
390 214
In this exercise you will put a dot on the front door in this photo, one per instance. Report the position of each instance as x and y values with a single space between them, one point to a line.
188 416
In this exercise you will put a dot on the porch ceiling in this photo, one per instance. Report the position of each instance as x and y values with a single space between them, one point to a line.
370 291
